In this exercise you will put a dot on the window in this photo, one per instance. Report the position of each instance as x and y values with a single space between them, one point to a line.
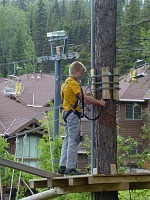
26 150
133 150
133 111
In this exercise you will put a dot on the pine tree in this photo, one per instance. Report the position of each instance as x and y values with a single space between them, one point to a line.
40 28
105 133
128 41
145 15
14 33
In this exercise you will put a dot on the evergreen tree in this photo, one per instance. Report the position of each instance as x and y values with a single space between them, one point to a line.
14 33
120 9
128 45
40 28
146 45
105 133
145 15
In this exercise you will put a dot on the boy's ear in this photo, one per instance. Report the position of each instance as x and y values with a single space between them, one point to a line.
74 71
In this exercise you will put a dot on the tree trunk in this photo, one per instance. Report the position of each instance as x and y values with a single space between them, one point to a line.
105 142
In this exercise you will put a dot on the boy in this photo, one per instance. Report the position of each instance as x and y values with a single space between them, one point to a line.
71 92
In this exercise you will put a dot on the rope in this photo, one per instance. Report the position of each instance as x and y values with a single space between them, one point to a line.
24 144
27 186
1 192
12 178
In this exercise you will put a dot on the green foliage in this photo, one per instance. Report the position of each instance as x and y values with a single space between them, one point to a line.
4 145
50 149
49 153
125 146
134 195
14 35
128 36
146 44
38 17
145 15
78 196
146 136
124 152
5 172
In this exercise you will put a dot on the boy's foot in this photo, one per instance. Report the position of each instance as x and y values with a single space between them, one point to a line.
61 170
72 172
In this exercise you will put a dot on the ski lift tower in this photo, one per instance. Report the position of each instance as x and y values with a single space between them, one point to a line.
58 50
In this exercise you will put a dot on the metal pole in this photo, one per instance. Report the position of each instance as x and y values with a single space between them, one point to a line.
14 69
57 98
92 69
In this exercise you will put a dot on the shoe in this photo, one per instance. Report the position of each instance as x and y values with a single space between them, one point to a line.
61 170
72 172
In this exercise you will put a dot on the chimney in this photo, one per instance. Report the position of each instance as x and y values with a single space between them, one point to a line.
33 75
41 73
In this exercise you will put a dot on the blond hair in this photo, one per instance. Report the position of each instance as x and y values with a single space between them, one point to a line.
76 65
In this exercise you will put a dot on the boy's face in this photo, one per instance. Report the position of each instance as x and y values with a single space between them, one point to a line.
80 73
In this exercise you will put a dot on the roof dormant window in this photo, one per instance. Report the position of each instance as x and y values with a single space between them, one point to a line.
133 111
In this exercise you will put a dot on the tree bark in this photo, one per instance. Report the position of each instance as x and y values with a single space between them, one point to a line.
105 139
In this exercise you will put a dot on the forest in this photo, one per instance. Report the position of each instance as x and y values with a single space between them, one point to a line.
24 25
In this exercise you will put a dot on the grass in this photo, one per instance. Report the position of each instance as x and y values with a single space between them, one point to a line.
134 195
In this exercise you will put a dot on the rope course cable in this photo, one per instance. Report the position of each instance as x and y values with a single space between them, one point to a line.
1 192
23 154
13 171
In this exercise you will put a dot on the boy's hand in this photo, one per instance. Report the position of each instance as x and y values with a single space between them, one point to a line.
102 102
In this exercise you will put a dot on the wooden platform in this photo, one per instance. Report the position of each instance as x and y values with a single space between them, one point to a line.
94 183
82 183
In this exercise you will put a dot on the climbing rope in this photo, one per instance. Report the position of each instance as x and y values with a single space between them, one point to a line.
23 154
13 171
1 192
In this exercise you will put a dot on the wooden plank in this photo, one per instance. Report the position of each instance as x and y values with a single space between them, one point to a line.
69 177
69 180
139 186
78 181
115 85
60 183
26 168
40 183
105 83
113 169
93 86
119 178
93 188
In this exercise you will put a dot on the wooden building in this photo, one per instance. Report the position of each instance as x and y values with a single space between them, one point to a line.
133 100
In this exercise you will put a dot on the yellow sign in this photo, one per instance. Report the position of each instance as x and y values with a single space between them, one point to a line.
18 90
133 74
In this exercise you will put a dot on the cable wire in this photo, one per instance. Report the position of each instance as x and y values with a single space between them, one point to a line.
23 153
13 171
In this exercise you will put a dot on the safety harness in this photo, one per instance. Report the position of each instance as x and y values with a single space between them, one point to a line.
83 114
73 109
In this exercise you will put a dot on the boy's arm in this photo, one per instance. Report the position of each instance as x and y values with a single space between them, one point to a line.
92 100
